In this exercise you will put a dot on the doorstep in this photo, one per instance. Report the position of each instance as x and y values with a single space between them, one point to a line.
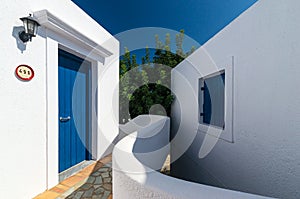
78 180
74 169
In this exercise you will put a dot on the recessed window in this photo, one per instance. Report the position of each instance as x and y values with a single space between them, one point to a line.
212 99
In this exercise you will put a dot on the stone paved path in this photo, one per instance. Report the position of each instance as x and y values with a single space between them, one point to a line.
97 186
92 182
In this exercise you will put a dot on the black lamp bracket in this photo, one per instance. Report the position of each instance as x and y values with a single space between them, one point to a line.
24 36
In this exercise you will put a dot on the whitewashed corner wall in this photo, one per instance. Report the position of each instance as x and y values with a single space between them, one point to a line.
29 133
264 156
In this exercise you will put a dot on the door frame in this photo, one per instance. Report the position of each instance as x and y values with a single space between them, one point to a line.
52 125
102 50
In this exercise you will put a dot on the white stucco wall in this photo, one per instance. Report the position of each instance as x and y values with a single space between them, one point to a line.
138 157
262 154
29 110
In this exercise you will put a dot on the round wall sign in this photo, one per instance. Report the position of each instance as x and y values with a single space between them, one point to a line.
24 72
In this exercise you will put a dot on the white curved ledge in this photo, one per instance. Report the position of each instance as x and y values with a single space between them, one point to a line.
137 157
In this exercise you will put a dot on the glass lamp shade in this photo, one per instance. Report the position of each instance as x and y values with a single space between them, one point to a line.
30 25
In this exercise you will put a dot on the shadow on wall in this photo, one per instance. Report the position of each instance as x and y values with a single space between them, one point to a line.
150 139
194 171
15 33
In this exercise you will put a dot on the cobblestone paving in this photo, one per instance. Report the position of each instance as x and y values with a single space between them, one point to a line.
97 186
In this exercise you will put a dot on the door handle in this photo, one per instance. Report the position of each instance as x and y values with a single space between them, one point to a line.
64 119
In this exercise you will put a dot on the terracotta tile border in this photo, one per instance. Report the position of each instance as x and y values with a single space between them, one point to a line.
70 184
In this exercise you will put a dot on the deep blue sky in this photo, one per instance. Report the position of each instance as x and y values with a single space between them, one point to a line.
201 19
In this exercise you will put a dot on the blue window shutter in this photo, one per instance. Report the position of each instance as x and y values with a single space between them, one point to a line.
214 100
206 104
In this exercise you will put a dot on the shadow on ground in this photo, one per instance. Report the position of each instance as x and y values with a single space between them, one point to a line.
98 185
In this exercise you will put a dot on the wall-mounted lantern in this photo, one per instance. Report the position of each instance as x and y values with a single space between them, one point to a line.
31 26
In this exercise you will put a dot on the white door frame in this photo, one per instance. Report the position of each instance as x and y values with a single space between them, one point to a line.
60 35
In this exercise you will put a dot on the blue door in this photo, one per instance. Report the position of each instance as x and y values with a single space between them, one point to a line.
74 131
